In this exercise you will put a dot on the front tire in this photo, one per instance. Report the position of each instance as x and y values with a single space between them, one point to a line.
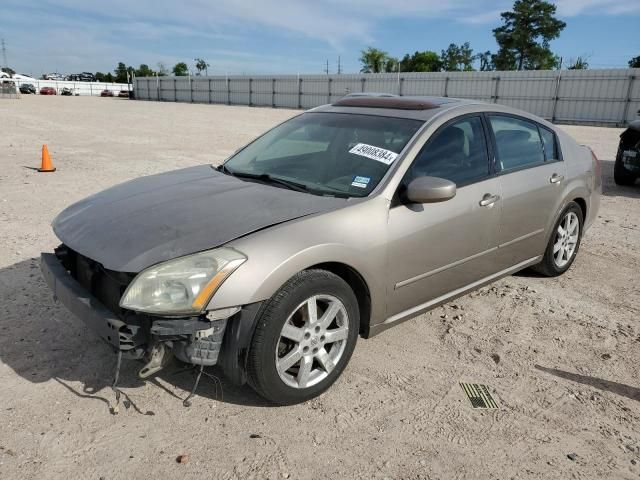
564 242
304 338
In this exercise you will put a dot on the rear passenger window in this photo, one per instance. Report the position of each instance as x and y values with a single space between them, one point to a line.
518 142
458 153
550 145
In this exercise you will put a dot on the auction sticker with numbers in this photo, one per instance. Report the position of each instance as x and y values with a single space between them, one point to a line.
375 153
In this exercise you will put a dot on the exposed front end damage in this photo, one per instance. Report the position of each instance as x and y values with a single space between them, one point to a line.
93 293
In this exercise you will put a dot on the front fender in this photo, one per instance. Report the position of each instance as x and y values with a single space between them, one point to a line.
354 236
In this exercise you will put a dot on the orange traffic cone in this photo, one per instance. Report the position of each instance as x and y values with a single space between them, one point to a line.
47 164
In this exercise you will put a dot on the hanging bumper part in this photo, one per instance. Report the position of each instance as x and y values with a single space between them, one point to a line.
218 337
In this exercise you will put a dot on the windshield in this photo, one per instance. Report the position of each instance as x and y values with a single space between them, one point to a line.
327 153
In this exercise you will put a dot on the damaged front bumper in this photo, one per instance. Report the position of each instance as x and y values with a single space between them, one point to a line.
78 301
196 340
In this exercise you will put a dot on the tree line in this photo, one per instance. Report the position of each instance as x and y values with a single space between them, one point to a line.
122 73
523 44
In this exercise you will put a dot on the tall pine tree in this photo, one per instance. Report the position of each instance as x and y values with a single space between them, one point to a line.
524 38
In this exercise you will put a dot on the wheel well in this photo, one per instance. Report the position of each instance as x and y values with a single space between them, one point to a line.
359 287
583 207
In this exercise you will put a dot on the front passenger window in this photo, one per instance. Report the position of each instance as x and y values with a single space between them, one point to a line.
458 152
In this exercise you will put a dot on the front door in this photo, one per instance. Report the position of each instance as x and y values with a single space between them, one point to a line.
436 248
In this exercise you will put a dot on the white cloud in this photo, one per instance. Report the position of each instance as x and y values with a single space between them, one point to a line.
492 16
311 19
571 8
332 21
84 34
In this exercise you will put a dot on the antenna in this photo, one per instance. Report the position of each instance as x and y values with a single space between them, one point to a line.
4 54
326 69
339 66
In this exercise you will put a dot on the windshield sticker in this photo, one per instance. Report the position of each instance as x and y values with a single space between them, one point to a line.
361 182
375 153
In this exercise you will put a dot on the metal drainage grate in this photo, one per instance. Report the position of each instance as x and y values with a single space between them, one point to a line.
479 395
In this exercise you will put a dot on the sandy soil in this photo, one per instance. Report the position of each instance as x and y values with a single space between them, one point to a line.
561 356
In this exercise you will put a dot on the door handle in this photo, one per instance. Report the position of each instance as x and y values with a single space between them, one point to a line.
488 200
555 178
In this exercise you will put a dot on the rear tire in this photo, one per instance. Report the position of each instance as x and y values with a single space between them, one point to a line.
564 243
304 338
620 174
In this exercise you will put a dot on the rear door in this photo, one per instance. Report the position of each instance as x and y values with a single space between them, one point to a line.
532 175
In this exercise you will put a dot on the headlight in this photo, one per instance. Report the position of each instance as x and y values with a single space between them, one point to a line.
181 286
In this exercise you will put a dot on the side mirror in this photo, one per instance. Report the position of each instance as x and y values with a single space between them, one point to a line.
430 190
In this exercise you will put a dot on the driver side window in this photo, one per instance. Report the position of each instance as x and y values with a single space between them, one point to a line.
457 152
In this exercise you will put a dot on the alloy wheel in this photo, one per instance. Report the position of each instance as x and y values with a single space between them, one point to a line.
566 240
312 341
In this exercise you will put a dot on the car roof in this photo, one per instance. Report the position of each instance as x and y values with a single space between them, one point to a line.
414 107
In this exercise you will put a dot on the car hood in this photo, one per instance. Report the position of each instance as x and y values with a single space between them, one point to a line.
139 223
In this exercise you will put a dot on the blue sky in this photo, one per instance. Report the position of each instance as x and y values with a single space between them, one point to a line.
285 36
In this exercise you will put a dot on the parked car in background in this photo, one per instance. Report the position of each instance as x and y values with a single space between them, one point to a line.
27 88
626 170
53 76
82 77
340 222
123 93
67 92
88 77
20 77
48 91
106 93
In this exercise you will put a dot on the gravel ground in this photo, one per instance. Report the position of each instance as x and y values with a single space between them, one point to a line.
561 356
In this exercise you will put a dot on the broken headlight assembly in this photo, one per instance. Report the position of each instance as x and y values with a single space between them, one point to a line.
182 286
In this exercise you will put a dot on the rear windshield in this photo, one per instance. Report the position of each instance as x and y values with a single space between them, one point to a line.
328 153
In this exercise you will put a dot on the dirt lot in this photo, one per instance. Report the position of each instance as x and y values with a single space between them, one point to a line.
562 356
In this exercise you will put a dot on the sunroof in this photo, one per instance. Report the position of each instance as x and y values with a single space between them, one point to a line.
400 103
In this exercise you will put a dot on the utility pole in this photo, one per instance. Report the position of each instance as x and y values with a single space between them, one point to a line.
326 69
4 55
339 66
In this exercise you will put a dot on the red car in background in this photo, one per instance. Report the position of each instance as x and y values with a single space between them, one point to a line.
106 93
48 91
